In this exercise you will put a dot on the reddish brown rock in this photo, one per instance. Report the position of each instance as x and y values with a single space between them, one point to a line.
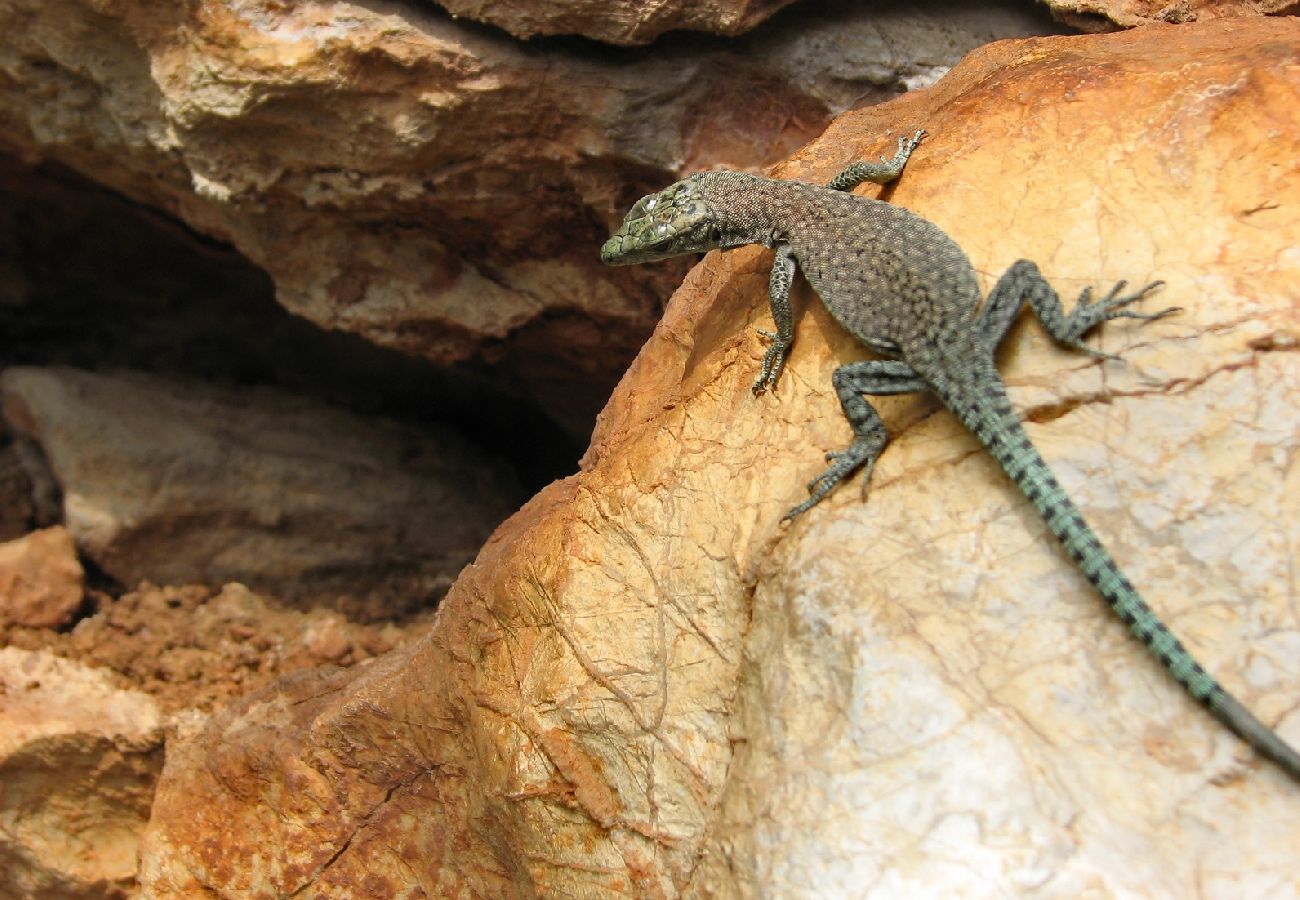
646 685
41 581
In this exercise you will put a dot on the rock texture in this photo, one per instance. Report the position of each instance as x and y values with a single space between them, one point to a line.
430 186
79 759
647 686
176 483
1104 15
41 581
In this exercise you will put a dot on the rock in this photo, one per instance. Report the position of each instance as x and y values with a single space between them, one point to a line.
179 483
433 187
620 22
79 759
646 685
41 582
1105 15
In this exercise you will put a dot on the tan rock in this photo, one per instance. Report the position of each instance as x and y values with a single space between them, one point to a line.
182 483
41 581
79 759
647 686
433 187
1104 15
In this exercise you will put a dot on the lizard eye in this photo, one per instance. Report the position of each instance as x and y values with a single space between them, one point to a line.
642 207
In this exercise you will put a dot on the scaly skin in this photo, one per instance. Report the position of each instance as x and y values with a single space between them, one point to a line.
905 289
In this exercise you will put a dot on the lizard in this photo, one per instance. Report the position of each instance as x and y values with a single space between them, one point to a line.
904 288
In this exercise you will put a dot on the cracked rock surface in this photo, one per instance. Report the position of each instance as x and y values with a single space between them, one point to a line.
647 686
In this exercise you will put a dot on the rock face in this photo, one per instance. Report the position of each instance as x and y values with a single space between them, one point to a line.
432 187
79 759
176 483
647 686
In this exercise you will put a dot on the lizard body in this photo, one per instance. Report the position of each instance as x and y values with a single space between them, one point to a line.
903 287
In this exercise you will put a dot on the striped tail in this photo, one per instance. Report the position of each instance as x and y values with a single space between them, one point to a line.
986 410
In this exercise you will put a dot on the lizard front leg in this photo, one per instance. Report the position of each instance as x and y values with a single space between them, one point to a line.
778 294
880 377
883 172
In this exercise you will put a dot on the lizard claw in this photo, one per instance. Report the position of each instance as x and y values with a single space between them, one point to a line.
773 362
905 147
1089 313
860 455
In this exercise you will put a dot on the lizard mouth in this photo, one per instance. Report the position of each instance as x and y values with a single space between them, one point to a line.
610 250
625 249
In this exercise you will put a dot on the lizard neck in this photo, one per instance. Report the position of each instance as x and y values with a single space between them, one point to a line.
747 208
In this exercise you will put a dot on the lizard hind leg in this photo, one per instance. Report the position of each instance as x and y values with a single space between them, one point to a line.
880 377
1024 282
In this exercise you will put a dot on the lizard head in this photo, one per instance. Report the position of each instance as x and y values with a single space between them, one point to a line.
674 221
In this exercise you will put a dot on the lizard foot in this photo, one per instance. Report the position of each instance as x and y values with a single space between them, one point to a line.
1088 314
861 454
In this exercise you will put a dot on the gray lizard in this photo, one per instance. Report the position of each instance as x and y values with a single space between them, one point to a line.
905 289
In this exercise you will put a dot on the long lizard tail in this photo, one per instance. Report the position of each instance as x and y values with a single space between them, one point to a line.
988 414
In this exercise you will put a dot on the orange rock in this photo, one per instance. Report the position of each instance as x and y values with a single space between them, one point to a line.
41 581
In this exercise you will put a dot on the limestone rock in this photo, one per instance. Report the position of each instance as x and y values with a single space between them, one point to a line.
646 685
41 581
1104 15
433 187
79 759
178 483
